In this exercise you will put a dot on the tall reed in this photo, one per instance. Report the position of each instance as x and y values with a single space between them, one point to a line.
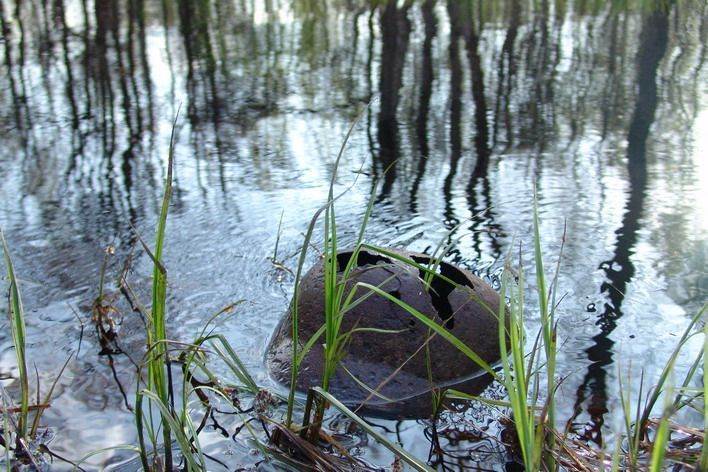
158 390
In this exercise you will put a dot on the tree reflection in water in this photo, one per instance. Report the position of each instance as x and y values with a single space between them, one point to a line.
472 104
620 269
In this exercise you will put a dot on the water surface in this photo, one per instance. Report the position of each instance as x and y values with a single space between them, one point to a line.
463 110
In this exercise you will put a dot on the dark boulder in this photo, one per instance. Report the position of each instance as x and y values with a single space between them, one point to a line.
394 364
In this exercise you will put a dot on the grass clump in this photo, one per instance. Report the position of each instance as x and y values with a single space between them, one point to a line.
158 389
167 400
523 371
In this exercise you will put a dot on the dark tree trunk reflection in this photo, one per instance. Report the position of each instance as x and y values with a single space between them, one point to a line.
426 85
620 269
451 221
395 28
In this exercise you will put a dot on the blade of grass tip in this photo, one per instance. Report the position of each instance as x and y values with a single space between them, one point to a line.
380 438
343 147
18 337
445 245
227 310
277 236
47 397
540 278
553 290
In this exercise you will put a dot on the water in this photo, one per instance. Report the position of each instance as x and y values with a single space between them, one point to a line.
473 105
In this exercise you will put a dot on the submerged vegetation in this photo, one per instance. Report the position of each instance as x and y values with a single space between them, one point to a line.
178 388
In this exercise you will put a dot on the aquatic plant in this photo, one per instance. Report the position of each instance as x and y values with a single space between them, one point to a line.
540 444
637 412
158 389
155 400
16 314
531 417
23 432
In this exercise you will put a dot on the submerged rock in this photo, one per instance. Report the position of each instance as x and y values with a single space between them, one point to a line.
394 362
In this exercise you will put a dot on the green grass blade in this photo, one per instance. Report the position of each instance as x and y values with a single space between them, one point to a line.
662 435
452 339
294 304
103 450
48 396
404 455
515 371
659 447
183 441
372 392
156 330
140 427
427 270
332 295
229 356
458 395
17 324
159 365
277 237
310 342
617 454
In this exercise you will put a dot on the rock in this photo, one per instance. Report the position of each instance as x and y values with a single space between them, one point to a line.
394 364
